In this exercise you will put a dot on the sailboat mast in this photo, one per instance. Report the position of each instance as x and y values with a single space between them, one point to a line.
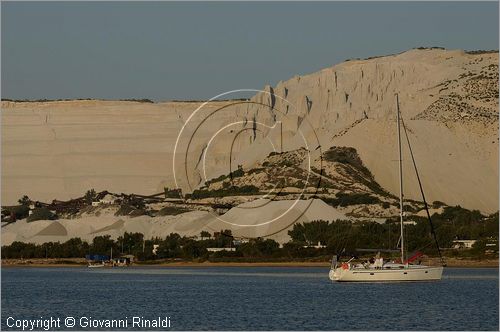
400 182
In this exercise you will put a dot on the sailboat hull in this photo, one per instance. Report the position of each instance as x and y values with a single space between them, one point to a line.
410 273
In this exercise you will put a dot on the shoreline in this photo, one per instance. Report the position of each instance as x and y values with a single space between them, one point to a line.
55 262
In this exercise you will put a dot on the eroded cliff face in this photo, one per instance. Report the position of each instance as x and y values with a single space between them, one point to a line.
449 101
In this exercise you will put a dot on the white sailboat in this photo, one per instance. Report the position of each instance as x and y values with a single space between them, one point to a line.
386 271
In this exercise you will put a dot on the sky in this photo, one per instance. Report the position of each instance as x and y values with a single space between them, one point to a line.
194 51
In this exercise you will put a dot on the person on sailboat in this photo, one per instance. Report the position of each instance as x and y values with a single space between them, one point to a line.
334 261
379 261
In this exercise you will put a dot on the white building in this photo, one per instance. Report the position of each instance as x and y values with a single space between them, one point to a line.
220 249
108 199
318 246
463 244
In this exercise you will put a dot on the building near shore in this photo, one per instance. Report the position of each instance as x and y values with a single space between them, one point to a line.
463 244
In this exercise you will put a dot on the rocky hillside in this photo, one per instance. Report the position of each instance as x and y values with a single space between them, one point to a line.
448 99
338 177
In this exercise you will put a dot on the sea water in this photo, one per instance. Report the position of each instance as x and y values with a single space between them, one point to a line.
243 298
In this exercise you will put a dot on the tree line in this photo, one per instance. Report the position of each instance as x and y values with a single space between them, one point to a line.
337 237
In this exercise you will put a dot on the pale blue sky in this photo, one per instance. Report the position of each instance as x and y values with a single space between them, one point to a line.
166 50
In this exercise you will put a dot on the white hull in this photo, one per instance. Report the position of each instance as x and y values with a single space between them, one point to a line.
410 273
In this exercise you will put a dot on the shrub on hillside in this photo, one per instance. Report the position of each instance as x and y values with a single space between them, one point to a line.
90 196
171 211
344 155
41 214
130 211
172 193
25 200
343 199
437 204
124 210
21 211
138 213
230 191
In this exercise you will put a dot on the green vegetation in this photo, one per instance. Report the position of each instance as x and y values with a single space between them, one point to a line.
430 48
347 199
139 100
172 193
124 210
132 206
348 157
90 196
344 155
286 163
205 234
341 236
238 173
172 211
72 248
171 247
41 213
135 202
25 200
223 192
481 52
437 204
20 211
259 248
203 101
234 174
455 223
130 210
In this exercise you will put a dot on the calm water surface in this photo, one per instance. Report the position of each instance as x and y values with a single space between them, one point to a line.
257 298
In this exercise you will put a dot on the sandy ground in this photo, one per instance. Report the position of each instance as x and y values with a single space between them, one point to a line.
255 219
